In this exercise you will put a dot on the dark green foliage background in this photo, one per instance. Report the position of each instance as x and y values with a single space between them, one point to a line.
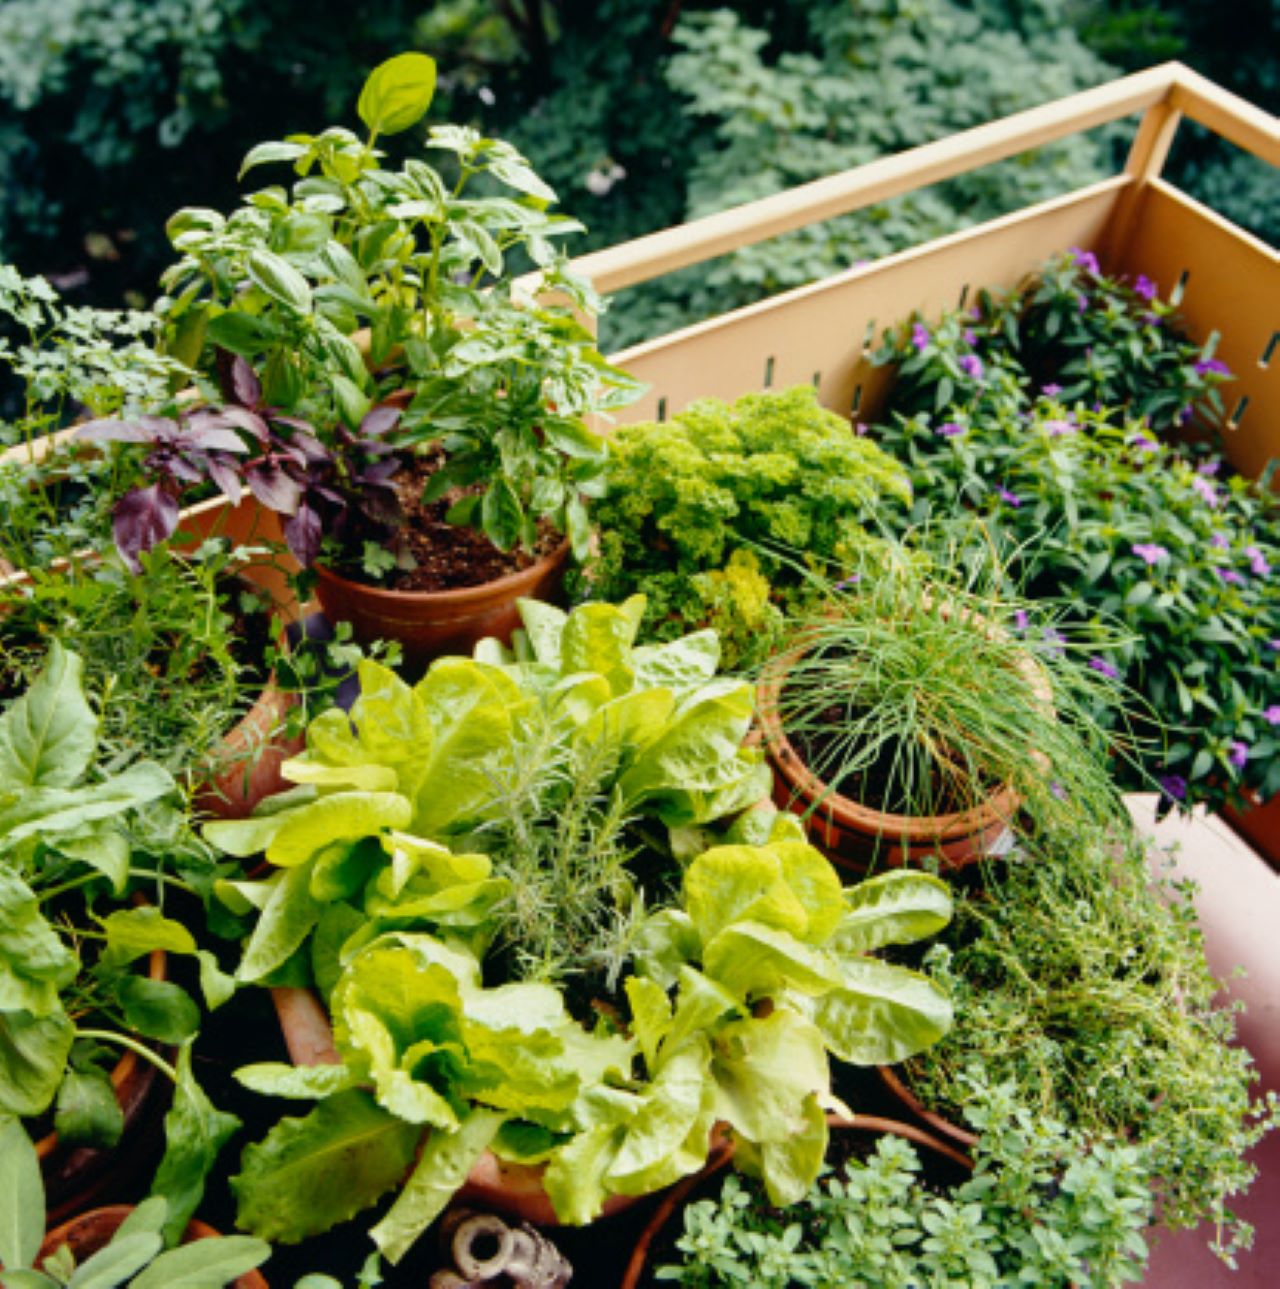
113 113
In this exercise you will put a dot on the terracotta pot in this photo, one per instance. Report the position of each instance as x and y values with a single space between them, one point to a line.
74 1176
1259 825
513 1189
92 1231
937 1122
856 835
251 757
675 1198
430 624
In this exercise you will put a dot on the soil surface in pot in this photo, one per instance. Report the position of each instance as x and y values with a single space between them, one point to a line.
878 785
447 557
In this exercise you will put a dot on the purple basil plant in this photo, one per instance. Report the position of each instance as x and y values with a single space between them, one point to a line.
245 445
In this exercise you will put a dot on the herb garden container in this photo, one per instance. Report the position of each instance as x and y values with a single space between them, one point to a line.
91 1232
431 624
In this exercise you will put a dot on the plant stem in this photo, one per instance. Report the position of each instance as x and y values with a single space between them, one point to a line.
139 1049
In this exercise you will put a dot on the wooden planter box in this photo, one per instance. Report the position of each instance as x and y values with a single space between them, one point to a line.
1226 281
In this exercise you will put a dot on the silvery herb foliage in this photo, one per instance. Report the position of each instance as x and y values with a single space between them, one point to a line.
67 872
425 260
136 1256
397 890
63 362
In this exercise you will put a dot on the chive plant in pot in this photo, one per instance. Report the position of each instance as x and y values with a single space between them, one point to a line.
546 923
915 715
106 1247
1081 988
78 845
431 477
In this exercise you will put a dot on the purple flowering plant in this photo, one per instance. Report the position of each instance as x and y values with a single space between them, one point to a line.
1162 542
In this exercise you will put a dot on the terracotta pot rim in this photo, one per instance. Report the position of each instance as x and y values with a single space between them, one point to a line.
461 595
917 1107
1000 805
110 1217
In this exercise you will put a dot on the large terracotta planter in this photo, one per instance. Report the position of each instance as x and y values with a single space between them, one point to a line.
74 1176
512 1189
857 835
1259 825
92 1231
430 624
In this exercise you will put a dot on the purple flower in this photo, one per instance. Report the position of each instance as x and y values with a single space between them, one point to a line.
1082 303
1209 468
852 580
1272 714
1144 444
1086 260
1221 541
1230 576
971 365
859 428
949 429
1206 365
1054 640
920 336
1151 319
1057 427
1009 498
1144 287
1058 790
1206 490
1239 754
1258 565
970 336
1274 645
1175 786
1020 620
1102 665
1051 391
1184 415
1150 552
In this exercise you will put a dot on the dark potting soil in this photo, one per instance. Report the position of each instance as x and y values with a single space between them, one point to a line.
446 557
876 785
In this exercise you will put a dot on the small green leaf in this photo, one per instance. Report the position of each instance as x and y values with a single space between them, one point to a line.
501 514
88 1113
279 279
267 152
397 93
33 1060
21 1197
158 1009
117 1262
204 1264
48 735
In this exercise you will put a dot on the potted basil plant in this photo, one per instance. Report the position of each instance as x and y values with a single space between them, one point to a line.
415 412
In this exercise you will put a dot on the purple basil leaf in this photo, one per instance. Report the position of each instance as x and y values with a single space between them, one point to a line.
225 475
329 494
242 418
214 438
302 533
380 471
293 422
311 447
379 420
190 469
142 518
290 452
245 385
273 487
381 503
120 432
